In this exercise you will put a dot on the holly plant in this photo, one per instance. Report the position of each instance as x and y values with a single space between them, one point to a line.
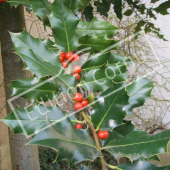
101 94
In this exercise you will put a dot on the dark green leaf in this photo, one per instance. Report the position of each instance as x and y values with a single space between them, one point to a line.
71 5
139 144
118 8
153 1
139 25
97 27
81 4
88 12
98 43
43 92
73 145
162 8
128 12
155 157
64 23
85 168
103 7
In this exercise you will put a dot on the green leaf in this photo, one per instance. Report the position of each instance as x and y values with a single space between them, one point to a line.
98 43
71 5
64 23
128 12
118 8
155 157
41 9
110 108
162 8
139 25
81 4
97 27
85 168
88 12
90 98
73 145
100 79
51 45
153 1
41 60
98 60
139 91
141 165
43 92
139 144
103 7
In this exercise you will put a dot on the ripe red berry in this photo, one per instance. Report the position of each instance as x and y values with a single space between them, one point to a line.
78 126
64 64
61 59
103 135
78 97
76 57
2 0
85 103
77 69
69 55
78 106
77 75
63 55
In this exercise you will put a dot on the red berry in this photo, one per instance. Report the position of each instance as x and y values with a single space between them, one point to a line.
77 69
2 0
85 103
69 55
78 97
76 57
77 75
61 59
78 126
64 64
78 106
103 135
63 55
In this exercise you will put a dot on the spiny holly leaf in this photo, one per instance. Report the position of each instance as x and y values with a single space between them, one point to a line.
139 91
118 8
44 92
139 144
97 27
42 61
98 60
98 43
33 119
88 12
141 165
71 5
41 9
64 23
100 79
103 7
51 45
81 4
110 108
73 145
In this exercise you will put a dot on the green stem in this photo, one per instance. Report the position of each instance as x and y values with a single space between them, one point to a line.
113 167
96 140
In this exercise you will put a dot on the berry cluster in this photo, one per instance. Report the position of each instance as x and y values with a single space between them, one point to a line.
68 56
103 135
77 70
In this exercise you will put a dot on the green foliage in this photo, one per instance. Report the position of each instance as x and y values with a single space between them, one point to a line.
104 71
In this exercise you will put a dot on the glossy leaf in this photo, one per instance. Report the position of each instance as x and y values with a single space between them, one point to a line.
81 4
51 45
88 12
98 43
42 61
100 79
155 157
139 144
97 27
110 108
73 145
141 165
63 23
139 91
44 92
71 5
118 8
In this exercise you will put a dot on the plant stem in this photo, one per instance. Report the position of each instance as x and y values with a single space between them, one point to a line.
113 167
96 140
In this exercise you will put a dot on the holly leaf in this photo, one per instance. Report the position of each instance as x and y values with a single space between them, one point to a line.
139 144
141 165
103 7
100 79
85 168
155 157
139 91
63 23
98 43
118 8
71 5
26 88
88 12
73 145
81 4
51 45
97 27
42 61
110 108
